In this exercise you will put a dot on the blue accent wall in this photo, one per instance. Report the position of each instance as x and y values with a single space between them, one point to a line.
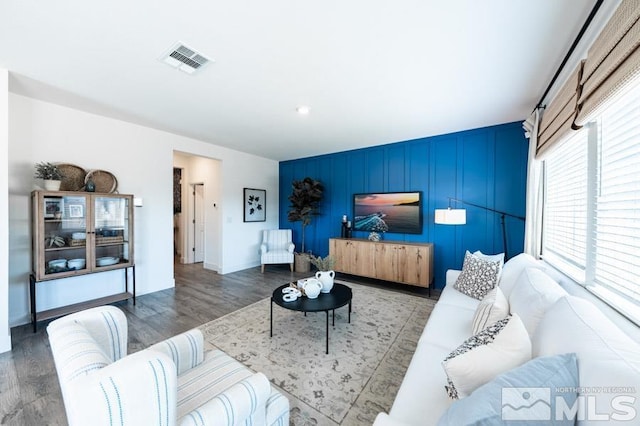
486 166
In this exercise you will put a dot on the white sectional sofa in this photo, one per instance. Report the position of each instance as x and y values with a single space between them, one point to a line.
608 361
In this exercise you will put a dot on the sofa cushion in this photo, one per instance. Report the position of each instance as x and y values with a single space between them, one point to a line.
493 307
478 276
510 397
496 349
451 296
608 359
533 293
513 268
448 325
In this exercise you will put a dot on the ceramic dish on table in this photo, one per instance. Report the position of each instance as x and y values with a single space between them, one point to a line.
106 261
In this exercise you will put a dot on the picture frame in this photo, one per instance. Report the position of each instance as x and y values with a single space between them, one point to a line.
53 207
255 205
76 210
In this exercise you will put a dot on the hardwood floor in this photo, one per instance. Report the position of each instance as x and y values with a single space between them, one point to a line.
29 391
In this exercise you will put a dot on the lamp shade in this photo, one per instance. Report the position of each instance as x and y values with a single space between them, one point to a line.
451 216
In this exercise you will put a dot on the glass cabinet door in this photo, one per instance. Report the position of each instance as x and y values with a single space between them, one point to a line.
64 233
112 230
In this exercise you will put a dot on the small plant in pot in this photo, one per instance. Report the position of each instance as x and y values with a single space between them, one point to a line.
325 272
50 175
305 198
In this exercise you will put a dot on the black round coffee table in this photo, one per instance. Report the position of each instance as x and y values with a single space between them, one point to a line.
339 296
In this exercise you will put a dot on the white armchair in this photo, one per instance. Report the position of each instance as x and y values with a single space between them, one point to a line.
277 247
173 382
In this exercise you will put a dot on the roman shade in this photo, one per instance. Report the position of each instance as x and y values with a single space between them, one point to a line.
613 60
558 118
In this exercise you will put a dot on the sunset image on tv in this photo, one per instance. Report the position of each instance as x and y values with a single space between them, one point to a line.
398 212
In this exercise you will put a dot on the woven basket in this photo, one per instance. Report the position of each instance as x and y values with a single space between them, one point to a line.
72 177
77 243
109 240
105 181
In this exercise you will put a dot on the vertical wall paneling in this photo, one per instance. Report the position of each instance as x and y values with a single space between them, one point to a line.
484 166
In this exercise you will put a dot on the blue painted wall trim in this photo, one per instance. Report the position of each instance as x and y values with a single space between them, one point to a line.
486 166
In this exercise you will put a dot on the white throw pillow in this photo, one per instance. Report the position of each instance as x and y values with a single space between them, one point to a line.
533 294
478 276
493 307
512 269
498 348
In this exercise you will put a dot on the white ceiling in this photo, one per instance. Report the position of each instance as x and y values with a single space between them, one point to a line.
372 71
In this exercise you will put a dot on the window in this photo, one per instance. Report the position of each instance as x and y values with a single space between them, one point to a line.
591 216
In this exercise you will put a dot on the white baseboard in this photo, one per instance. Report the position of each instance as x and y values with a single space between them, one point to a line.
5 343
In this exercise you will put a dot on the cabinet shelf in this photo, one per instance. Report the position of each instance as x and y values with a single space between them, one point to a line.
64 310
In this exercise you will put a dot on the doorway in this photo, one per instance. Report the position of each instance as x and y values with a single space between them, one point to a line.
198 223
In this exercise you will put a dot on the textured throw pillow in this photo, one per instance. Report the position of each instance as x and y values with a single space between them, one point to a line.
493 307
498 348
526 395
478 276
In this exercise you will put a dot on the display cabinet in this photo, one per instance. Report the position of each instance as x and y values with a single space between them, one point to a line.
78 233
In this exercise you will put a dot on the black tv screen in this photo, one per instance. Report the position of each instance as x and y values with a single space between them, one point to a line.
399 212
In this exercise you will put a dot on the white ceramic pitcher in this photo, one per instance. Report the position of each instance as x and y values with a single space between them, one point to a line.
326 278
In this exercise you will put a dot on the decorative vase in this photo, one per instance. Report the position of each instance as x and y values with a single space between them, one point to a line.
51 185
90 186
312 288
326 278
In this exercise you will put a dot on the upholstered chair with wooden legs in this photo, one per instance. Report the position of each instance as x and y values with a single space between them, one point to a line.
277 247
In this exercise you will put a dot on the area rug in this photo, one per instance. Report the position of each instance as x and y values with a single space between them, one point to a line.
366 362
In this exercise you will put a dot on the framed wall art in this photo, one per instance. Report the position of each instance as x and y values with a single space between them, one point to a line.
53 207
255 205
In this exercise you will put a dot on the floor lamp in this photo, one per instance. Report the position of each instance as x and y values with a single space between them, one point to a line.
451 216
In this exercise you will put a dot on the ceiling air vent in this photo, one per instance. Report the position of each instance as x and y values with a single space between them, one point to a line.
185 59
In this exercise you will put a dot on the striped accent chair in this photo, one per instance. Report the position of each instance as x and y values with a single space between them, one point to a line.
174 382
277 247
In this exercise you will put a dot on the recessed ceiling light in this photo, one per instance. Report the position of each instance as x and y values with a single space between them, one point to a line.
303 110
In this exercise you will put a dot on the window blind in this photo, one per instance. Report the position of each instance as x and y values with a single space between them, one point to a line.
565 206
617 213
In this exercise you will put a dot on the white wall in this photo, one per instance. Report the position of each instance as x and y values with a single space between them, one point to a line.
5 335
142 160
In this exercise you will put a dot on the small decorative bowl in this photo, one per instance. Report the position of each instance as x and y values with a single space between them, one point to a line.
76 263
57 263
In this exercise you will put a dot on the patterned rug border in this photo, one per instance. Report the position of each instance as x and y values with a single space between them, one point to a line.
383 372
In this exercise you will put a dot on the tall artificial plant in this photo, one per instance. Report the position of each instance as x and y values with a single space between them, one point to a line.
305 198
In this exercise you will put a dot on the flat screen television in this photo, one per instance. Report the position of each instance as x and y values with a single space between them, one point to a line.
399 212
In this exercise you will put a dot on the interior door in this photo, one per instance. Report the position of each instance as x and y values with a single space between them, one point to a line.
198 223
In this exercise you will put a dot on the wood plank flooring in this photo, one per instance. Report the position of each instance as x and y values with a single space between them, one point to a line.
29 390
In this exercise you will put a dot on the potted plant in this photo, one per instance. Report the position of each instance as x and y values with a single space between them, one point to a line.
50 175
325 272
305 198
